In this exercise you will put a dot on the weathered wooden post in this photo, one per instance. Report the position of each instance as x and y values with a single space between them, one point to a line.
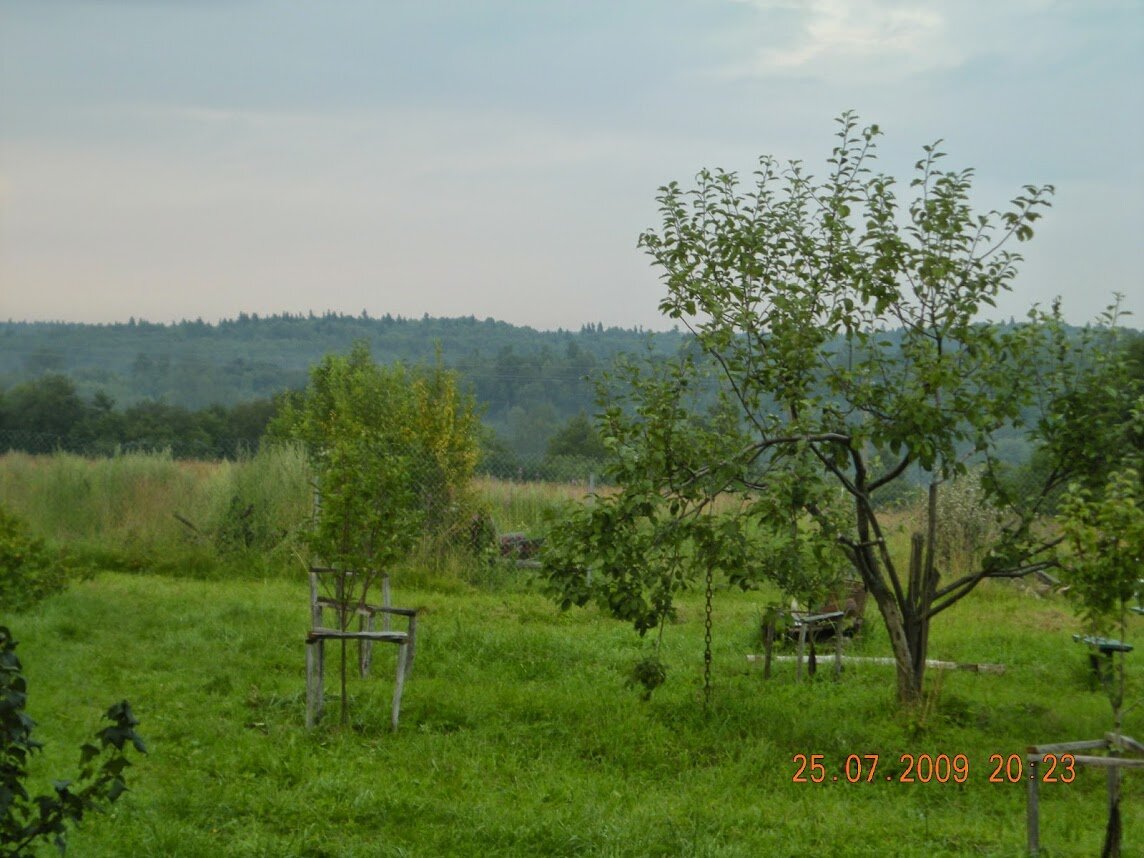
801 651
768 646
1032 811
838 648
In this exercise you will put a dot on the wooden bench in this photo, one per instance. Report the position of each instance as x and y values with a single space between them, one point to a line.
806 628
840 615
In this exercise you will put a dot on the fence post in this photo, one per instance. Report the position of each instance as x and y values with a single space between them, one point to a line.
1032 813
591 499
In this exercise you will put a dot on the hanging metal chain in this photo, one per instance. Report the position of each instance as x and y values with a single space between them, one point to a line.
707 643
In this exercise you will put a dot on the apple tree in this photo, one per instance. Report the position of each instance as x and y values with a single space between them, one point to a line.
840 321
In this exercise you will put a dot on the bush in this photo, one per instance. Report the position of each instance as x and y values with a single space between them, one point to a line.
967 523
29 570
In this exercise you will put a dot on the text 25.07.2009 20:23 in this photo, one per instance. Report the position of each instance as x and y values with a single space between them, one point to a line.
933 768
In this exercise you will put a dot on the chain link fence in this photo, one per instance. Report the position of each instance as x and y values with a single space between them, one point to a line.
242 495
150 499
501 463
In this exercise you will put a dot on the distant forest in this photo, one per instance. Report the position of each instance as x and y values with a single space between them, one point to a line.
211 386
208 390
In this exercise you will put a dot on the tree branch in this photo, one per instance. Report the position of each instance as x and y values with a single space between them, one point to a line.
893 474
1023 568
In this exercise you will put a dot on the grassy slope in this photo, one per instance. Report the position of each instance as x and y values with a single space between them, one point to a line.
519 736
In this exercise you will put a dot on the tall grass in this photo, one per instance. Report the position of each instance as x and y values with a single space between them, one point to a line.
148 510
151 511
520 506
141 510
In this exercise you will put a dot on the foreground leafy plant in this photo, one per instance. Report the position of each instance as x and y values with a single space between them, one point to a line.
25 819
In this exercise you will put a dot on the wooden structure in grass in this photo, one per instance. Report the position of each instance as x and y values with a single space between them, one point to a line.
1124 753
842 614
343 593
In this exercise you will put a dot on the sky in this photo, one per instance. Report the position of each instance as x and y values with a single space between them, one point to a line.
171 159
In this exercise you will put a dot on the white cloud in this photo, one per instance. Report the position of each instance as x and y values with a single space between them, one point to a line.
880 41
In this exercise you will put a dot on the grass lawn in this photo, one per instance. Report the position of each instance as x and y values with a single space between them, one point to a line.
520 736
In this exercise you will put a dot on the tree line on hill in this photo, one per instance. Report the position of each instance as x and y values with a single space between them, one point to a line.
529 383
49 414
208 391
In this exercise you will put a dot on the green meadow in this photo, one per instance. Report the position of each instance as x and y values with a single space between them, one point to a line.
520 732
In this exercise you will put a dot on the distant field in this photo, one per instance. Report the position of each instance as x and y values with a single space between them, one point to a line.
520 734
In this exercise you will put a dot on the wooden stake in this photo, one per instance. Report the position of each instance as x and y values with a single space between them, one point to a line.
768 648
402 663
1033 817
838 650
798 658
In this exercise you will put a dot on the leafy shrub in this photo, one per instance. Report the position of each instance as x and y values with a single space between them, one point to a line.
24 819
967 523
29 570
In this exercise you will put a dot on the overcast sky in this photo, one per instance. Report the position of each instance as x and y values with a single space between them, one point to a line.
170 159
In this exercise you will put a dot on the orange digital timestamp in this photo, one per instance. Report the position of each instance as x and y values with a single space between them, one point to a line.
932 768
1011 769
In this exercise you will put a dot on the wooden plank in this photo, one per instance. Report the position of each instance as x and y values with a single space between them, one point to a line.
399 686
365 645
1110 762
934 663
1062 747
1125 742
363 609
837 650
351 635
1099 762
1113 832
801 650
315 693
799 619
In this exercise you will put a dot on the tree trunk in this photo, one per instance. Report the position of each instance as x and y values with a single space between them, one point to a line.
909 680
908 624
903 641
919 598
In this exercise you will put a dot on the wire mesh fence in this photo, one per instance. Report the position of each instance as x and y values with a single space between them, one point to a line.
154 495
501 463
151 499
